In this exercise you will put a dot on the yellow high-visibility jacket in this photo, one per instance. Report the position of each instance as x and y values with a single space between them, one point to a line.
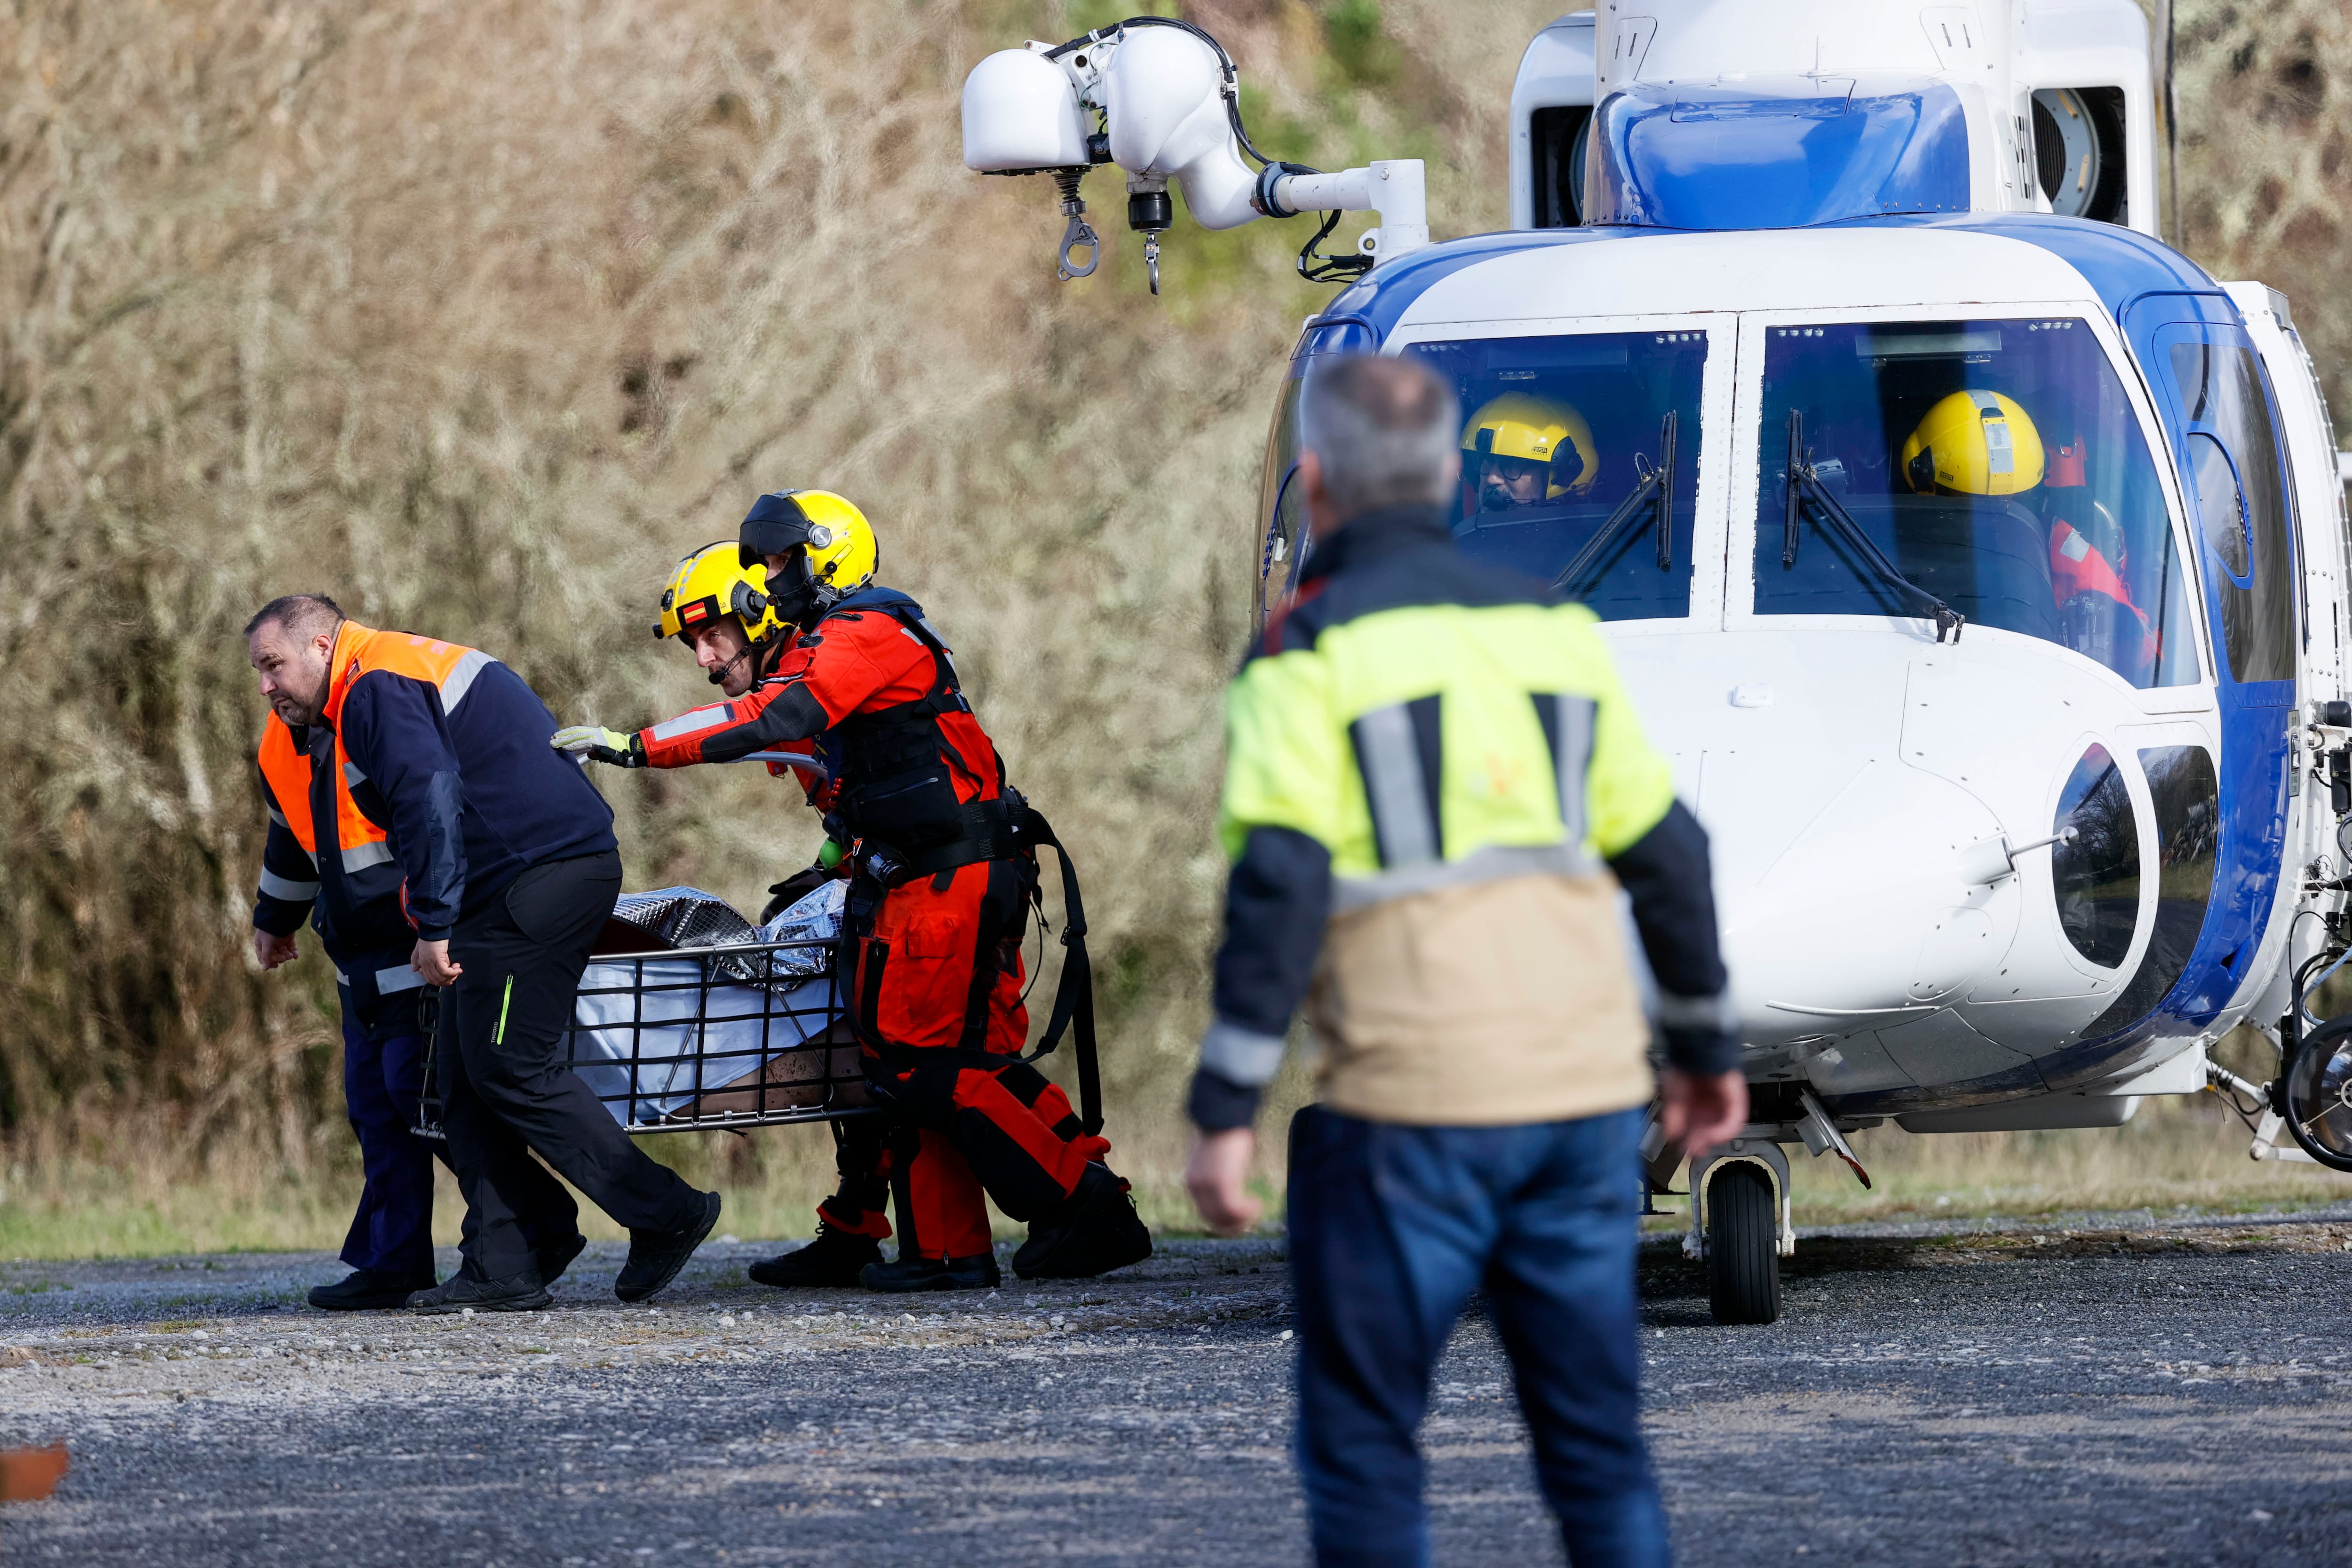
1434 785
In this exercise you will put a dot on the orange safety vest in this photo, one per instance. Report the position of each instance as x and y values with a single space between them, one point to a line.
447 665
360 842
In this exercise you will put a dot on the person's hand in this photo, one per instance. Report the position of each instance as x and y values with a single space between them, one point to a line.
1700 1113
432 960
272 949
594 743
1216 1175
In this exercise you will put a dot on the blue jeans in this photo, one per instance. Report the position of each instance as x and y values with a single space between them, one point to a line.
393 1231
1391 1227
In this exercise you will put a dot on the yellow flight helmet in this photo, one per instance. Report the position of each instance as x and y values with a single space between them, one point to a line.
1975 444
838 543
711 583
1537 430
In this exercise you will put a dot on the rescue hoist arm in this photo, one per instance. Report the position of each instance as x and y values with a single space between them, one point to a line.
1161 99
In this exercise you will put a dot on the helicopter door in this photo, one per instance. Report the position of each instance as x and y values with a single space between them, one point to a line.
2236 482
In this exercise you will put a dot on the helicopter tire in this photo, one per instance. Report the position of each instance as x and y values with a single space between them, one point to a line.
1743 1245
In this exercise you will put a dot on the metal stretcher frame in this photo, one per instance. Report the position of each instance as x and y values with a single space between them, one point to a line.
754 1053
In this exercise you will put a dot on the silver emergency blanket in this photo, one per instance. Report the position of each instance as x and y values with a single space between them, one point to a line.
689 917
815 919
652 1036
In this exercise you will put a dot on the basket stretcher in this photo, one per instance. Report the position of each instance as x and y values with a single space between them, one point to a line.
740 1034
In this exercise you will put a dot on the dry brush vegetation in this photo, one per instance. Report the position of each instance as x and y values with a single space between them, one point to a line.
476 315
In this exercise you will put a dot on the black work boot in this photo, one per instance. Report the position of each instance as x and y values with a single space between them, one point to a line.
556 1256
1094 1232
978 1273
368 1291
516 1293
657 1255
833 1260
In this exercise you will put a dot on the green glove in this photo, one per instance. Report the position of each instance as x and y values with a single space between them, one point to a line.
594 743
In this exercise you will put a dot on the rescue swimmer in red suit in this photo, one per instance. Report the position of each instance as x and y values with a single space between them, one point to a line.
944 874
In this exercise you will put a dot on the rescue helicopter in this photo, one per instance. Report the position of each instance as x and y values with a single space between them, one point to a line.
1980 560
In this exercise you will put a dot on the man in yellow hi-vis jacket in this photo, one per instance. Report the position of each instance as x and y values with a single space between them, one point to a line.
1435 789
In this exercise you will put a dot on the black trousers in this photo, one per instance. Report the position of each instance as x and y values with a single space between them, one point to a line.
505 1092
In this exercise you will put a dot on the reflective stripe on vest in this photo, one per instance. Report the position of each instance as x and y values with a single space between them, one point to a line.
1401 752
1566 723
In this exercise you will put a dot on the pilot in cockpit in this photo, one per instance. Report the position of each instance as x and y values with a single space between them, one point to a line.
1524 451
1981 443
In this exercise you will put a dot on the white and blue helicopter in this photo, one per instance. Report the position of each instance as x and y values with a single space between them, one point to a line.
1981 561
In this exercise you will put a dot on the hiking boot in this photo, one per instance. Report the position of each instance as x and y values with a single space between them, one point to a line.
516 1293
368 1291
1094 1232
657 1255
978 1273
832 1260
556 1256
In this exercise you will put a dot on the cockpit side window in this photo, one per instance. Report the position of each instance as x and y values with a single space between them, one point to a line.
1281 506
2234 462
1996 466
1580 461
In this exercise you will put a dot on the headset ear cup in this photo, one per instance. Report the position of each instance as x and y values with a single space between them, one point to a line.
1922 472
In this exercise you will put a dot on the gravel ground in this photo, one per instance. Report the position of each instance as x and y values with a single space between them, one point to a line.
2119 1388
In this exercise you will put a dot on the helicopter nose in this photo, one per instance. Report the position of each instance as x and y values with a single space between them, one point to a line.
1862 910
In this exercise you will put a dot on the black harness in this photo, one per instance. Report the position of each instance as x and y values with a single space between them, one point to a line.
899 801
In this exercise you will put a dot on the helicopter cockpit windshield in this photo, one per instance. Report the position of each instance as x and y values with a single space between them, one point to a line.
1996 465
1580 461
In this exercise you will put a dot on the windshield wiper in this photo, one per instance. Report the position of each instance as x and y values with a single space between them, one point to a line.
1804 484
1655 491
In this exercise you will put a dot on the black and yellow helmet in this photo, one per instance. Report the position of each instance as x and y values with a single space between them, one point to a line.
839 545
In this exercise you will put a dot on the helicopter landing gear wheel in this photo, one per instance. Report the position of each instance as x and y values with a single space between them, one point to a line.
1743 1245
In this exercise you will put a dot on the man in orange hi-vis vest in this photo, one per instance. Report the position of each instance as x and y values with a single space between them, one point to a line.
510 869
368 939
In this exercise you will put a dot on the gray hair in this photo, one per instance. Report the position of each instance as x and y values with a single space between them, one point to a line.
1386 430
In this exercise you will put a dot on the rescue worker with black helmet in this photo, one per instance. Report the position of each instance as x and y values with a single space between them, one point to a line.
944 858
1525 450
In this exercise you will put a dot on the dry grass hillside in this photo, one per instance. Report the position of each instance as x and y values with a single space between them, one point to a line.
476 315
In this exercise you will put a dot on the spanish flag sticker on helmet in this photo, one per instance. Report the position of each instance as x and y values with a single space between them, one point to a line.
711 583
1975 444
